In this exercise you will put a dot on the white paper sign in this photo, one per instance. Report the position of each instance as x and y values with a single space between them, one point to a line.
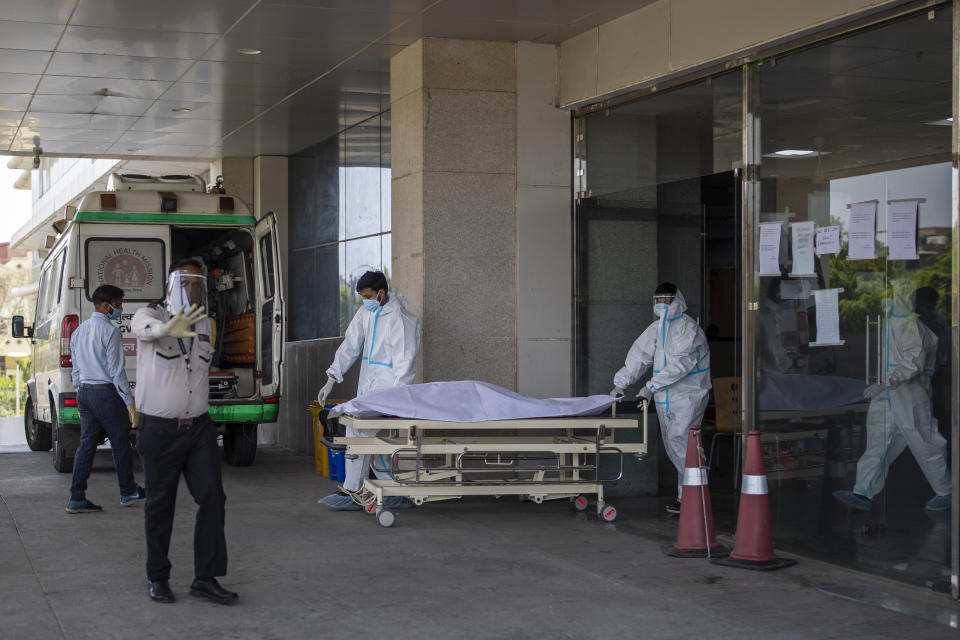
828 240
902 230
769 248
828 317
863 229
802 239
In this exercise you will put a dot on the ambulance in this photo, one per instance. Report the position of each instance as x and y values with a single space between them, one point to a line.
127 236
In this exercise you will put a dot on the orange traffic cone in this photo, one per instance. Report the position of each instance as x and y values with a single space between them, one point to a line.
695 537
753 548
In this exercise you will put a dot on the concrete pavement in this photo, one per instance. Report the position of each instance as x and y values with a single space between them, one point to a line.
473 569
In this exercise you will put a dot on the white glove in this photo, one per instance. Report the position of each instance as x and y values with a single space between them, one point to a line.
132 412
179 325
616 392
325 391
645 394
872 391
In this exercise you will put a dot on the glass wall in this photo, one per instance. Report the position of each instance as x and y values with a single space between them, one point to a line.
854 272
339 225
839 237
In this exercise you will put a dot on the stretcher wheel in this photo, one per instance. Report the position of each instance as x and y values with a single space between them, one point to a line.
580 503
386 518
608 513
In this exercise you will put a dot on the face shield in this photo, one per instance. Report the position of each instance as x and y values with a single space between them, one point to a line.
185 289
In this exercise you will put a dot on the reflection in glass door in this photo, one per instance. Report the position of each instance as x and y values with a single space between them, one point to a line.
852 270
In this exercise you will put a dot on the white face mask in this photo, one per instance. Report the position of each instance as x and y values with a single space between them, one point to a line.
660 309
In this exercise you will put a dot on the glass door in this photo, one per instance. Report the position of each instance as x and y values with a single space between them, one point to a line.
849 204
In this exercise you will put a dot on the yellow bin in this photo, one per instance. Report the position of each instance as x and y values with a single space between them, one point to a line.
319 450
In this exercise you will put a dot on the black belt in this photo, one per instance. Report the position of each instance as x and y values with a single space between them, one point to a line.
86 385
180 423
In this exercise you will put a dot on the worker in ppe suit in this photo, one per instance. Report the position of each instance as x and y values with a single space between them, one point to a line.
677 348
900 408
386 337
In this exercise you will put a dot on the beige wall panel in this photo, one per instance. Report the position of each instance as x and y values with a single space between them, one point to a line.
406 71
543 130
469 214
471 296
578 67
471 131
544 368
544 262
703 31
491 360
625 57
469 64
406 135
406 213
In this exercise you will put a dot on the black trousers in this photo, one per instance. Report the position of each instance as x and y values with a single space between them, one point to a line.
168 449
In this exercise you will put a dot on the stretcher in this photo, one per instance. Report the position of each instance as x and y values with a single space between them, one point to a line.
536 459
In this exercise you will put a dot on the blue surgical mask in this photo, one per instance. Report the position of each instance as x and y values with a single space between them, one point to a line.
659 309
114 313
372 305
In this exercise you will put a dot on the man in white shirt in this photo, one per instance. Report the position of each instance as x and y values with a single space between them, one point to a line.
176 433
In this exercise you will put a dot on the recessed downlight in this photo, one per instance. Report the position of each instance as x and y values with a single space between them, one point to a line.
793 153
180 109
249 51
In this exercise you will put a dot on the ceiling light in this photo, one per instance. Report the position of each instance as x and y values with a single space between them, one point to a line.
943 123
180 109
249 51
793 153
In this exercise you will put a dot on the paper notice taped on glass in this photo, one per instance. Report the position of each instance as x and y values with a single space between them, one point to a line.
770 248
802 239
828 317
902 230
863 231
828 240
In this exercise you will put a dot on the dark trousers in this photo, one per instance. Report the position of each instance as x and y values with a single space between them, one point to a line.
102 413
168 449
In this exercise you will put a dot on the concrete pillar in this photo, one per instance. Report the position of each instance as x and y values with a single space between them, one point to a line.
237 178
544 228
454 186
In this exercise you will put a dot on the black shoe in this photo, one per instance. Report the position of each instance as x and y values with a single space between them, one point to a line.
211 589
674 509
159 591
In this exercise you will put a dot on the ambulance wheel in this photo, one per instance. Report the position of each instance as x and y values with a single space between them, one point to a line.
580 503
386 518
608 513
240 444
66 441
39 437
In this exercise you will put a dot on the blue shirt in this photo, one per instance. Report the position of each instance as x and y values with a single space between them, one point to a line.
97 352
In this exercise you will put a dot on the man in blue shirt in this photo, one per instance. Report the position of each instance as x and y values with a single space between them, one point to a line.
103 399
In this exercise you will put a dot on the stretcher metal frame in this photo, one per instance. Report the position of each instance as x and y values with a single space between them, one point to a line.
572 445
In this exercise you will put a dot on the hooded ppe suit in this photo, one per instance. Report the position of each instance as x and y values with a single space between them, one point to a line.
677 348
388 340
900 416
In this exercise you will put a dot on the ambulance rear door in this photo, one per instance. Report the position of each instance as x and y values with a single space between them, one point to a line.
269 306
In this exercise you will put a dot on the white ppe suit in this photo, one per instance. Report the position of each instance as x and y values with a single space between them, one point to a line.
387 340
677 348
900 416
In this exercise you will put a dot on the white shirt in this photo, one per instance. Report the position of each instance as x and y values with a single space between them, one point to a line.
172 374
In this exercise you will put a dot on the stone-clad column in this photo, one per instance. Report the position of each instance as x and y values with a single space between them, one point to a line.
454 185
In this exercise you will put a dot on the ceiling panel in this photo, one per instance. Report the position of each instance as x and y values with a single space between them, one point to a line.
72 86
214 72
68 147
52 11
176 125
79 121
29 35
174 151
105 105
136 42
224 93
392 6
202 110
47 134
10 119
14 101
101 66
18 61
451 26
323 24
196 16
18 82
144 138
